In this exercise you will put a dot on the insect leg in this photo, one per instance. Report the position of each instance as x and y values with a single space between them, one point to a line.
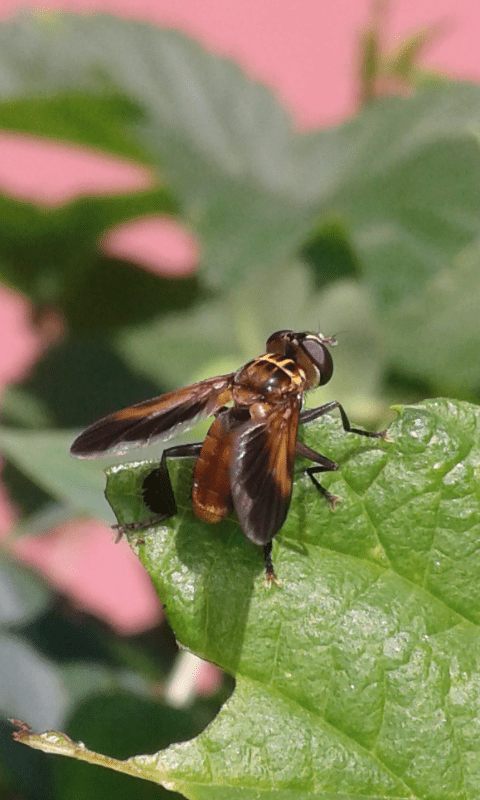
157 488
324 465
269 570
313 413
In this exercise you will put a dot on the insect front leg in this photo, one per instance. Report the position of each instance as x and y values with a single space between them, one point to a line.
314 413
157 489
323 463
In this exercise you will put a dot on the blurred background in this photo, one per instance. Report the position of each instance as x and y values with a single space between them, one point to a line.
178 180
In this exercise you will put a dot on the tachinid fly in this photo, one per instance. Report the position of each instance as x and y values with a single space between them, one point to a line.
245 464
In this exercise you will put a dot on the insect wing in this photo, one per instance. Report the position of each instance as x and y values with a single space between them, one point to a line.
153 420
261 471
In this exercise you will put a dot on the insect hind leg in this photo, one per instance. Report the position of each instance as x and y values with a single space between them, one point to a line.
323 464
332 498
157 489
270 576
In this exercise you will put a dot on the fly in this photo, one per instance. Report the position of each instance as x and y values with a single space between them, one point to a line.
245 464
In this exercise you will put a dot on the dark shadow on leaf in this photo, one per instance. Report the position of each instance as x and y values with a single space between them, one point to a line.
293 546
224 563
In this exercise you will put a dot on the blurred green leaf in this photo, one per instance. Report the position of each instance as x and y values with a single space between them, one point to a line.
80 379
64 636
29 773
433 328
222 141
19 407
404 62
54 256
51 515
383 72
76 482
79 655
31 687
29 498
412 207
401 178
22 594
367 650
98 121
413 167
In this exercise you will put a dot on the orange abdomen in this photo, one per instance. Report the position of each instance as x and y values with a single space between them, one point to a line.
211 494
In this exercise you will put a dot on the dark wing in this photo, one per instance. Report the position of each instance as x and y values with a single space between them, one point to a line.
157 419
261 471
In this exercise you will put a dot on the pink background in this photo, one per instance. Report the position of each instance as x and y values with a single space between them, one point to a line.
307 53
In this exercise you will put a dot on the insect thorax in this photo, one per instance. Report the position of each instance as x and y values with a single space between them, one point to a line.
271 377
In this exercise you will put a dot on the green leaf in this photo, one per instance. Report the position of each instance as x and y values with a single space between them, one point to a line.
31 686
404 62
78 483
101 122
410 199
79 379
22 595
401 179
435 331
411 167
92 290
353 674
221 140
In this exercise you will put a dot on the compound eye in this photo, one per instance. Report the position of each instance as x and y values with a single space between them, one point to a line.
320 357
